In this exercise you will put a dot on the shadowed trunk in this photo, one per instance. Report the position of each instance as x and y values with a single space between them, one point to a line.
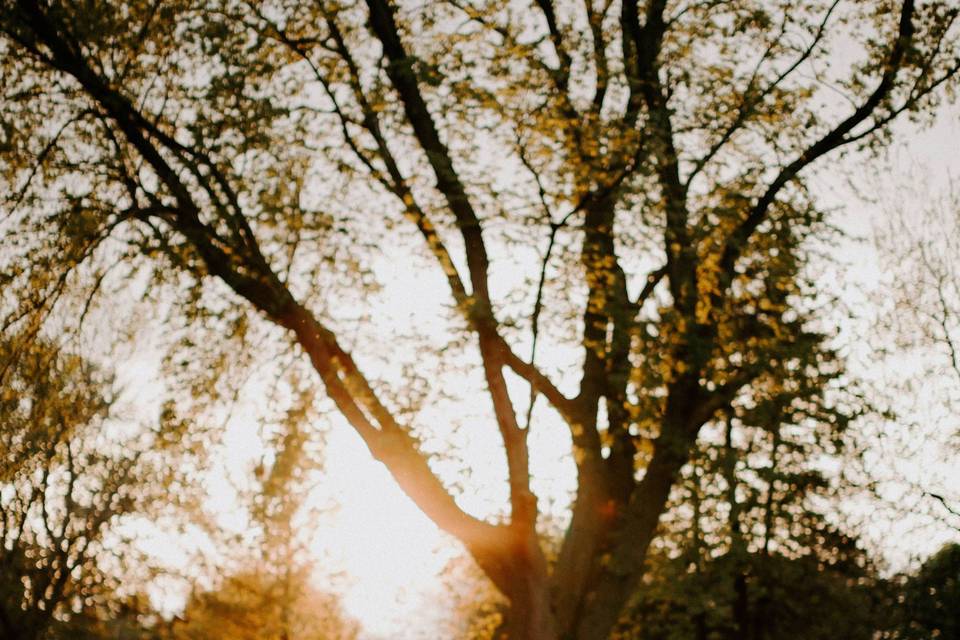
531 615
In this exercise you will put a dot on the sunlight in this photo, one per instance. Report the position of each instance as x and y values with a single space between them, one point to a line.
390 552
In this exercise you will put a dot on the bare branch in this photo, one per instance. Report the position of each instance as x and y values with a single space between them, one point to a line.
750 99
835 138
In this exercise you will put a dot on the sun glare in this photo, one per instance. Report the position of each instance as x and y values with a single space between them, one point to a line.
390 553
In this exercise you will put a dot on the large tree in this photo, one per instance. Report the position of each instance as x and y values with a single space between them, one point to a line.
618 186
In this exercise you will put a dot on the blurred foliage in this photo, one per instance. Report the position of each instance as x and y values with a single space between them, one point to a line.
753 597
926 604
264 581
72 471
260 605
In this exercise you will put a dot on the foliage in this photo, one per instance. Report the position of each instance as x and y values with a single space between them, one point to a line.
928 601
619 185
476 608
71 470
782 597
748 547
257 605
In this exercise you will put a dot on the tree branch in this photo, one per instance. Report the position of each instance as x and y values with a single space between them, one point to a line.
387 440
832 140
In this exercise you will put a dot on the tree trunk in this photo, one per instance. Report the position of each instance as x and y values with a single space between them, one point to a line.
531 615
577 562
741 606
623 567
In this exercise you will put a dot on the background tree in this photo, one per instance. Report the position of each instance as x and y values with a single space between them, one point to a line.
927 601
920 315
70 471
254 605
750 546
266 588
639 165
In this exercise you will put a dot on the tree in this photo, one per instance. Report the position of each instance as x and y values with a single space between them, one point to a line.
254 605
640 166
917 246
927 601
269 593
748 547
68 474
799 599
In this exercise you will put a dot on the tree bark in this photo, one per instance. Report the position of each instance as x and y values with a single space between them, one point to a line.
531 615
623 567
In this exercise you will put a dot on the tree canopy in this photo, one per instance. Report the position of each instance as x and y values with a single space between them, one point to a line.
614 197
